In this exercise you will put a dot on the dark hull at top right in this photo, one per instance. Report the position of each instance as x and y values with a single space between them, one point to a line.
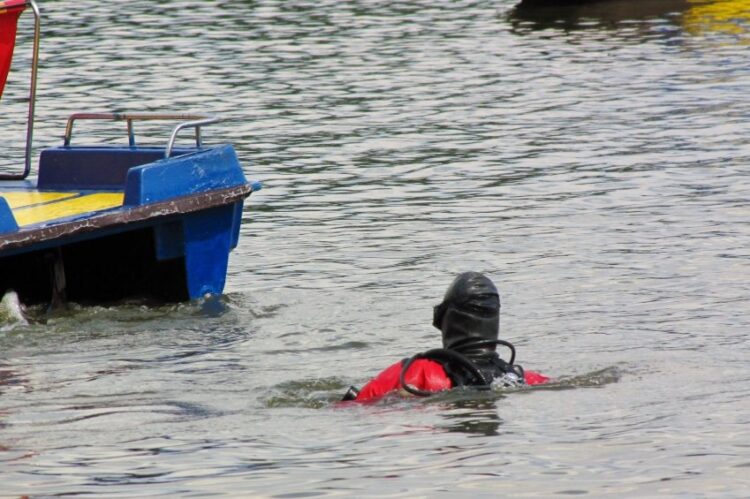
695 16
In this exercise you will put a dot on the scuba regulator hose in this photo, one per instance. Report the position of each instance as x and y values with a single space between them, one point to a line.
455 354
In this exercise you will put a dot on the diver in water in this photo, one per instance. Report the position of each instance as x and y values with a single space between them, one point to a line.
469 319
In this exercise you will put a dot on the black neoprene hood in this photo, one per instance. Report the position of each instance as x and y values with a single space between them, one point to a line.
470 311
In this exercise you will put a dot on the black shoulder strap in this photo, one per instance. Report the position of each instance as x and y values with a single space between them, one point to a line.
458 367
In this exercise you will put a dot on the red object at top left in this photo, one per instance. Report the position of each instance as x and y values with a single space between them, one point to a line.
9 12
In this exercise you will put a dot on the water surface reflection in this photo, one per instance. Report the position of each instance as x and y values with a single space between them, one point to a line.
593 161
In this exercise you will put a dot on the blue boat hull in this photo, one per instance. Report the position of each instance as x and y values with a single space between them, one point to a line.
169 239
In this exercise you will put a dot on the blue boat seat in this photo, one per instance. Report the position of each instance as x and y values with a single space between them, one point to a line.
100 167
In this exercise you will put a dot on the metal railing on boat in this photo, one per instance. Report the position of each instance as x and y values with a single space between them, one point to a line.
195 121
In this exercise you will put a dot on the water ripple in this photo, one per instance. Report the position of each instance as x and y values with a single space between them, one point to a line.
590 158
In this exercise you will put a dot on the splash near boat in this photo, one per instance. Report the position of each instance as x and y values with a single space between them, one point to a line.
104 223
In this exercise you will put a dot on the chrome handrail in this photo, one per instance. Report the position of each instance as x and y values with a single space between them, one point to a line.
197 124
196 121
32 94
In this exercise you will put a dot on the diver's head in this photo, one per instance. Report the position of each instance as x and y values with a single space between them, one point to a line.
470 312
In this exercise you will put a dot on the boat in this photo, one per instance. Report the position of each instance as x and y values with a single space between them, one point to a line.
587 14
98 224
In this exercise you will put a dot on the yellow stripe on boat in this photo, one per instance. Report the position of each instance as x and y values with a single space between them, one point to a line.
730 17
19 199
67 208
